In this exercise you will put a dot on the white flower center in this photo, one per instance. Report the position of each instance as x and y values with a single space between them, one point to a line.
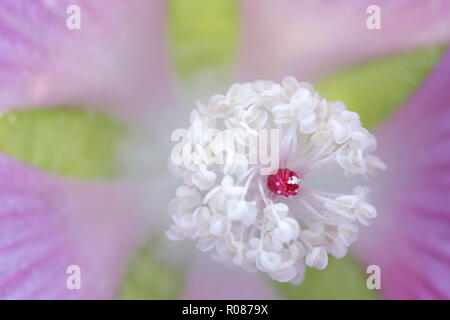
272 223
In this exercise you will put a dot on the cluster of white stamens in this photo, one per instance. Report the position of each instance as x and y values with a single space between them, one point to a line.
281 225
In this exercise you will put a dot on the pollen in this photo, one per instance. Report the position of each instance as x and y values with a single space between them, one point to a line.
285 182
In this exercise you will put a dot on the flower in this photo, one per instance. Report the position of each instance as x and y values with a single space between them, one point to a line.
413 253
48 223
119 63
272 224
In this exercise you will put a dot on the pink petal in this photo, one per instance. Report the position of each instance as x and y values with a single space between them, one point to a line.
209 279
410 239
116 61
311 38
47 224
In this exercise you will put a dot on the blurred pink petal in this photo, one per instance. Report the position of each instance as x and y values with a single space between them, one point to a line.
311 38
116 61
410 239
209 279
47 224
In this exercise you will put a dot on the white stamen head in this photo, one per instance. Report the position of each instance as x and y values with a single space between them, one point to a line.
272 223
293 180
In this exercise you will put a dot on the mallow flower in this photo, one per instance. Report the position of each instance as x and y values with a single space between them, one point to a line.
121 62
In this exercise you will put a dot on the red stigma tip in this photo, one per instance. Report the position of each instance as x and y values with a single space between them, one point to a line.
278 183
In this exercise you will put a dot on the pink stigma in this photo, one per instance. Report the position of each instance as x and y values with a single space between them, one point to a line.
285 182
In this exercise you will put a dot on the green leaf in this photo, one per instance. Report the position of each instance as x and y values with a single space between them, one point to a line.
203 34
72 142
342 279
377 88
148 277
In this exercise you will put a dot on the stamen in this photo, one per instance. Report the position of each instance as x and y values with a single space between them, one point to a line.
232 210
